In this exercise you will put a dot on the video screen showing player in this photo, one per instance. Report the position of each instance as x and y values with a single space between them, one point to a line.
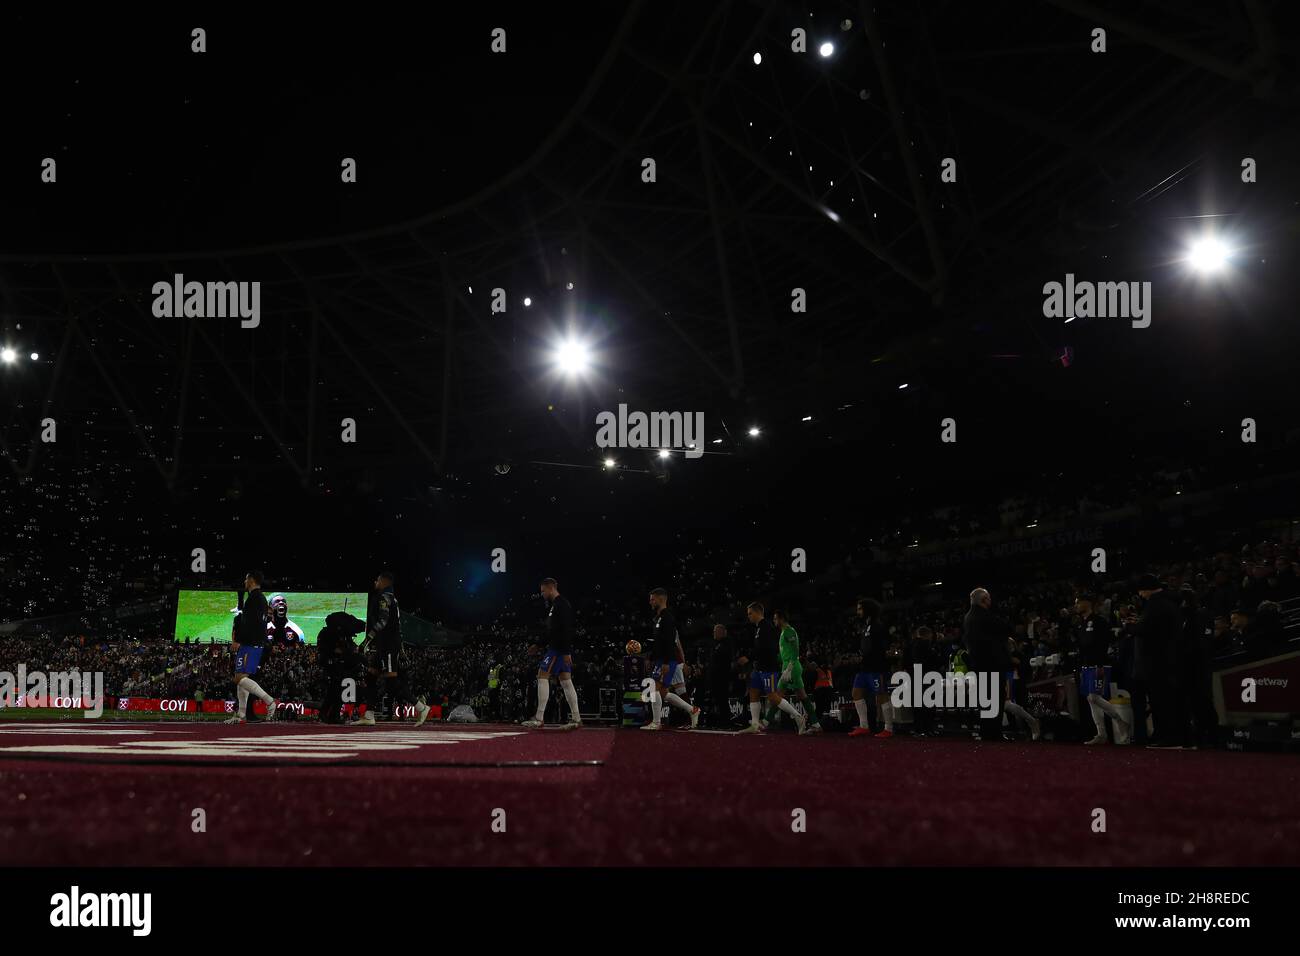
204 616
279 628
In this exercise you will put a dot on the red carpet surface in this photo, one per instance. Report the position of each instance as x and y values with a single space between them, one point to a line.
304 794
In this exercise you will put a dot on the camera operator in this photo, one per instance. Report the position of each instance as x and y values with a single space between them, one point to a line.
339 659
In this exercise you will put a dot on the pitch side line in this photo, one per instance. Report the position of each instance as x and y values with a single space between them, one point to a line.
258 761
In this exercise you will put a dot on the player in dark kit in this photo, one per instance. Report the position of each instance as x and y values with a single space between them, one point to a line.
558 660
767 669
869 686
384 644
664 661
248 648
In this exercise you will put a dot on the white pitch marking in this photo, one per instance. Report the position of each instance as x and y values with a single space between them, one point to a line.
322 746
73 731
186 750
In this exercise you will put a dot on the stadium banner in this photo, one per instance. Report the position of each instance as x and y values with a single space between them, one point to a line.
1054 695
178 705
405 712
48 703
207 616
137 610
1004 547
1259 690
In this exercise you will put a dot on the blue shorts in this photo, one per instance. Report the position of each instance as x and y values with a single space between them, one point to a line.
872 681
247 660
666 672
764 681
1094 680
555 663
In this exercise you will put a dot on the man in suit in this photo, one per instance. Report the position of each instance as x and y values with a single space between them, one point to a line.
985 636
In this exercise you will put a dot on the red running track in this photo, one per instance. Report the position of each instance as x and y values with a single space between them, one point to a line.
303 794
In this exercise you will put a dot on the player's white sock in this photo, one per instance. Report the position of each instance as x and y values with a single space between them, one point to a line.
888 710
1011 707
786 707
678 702
571 695
241 700
755 712
543 695
861 706
656 707
252 687
1099 705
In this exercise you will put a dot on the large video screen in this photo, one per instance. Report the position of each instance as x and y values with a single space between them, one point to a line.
206 616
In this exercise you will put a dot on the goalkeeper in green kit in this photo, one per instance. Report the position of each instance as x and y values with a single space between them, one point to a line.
791 681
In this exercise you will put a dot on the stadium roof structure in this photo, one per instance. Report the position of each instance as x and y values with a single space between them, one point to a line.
523 171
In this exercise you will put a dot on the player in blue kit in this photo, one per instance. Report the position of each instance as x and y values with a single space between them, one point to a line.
766 673
665 664
249 641
558 660
869 682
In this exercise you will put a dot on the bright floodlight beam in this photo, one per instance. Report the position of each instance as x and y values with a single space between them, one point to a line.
8 356
609 462
573 357
826 49
755 431
1208 255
